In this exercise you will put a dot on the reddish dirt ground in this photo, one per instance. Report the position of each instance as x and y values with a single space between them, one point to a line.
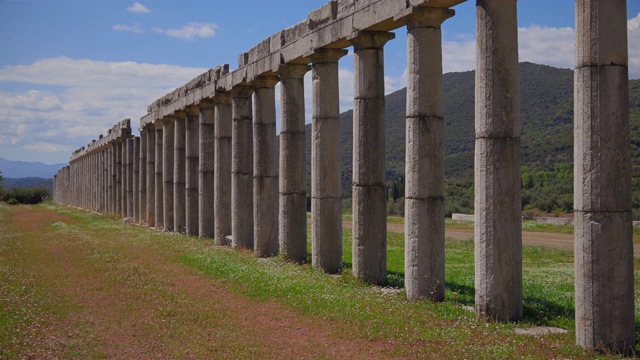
108 321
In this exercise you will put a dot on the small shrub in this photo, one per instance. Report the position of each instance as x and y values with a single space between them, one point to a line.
27 196
12 201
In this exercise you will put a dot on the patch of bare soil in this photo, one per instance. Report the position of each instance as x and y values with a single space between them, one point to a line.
137 302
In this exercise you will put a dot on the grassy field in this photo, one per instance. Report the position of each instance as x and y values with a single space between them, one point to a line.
78 285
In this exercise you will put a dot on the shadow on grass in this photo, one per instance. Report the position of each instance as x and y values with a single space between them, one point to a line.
543 312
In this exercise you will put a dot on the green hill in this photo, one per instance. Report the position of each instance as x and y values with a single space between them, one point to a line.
547 138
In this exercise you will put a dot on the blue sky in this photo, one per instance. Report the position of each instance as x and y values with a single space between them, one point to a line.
70 69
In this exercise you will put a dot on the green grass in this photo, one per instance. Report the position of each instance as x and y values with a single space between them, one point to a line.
376 313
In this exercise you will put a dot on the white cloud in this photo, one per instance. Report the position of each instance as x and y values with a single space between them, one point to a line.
633 26
634 23
94 95
138 8
191 31
135 28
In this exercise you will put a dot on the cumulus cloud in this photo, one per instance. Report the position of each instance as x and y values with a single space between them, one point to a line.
72 101
138 8
135 28
191 31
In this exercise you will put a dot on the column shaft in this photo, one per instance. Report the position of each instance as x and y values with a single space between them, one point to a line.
191 178
151 175
369 189
179 175
142 184
168 139
206 186
603 198
424 166
159 176
222 166
118 178
265 170
129 153
136 179
293 195
242 169
498 206
326 186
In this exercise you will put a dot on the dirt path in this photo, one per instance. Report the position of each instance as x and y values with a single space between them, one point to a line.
124 299
533 238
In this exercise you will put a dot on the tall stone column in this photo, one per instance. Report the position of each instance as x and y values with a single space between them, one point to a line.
168 139
222 176
242 168
129 154
103 186
109 164
159 175
369 188
136 179
179 175
142 183
603 197
192 147
424 166
326 186
206 186
118 177
151 175
265 169
125 179
293 195
498 206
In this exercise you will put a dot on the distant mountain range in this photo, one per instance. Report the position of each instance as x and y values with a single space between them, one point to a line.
24 169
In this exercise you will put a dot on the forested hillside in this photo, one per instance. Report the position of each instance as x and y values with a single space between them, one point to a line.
547 139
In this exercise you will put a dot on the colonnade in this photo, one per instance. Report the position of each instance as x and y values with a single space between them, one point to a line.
206 162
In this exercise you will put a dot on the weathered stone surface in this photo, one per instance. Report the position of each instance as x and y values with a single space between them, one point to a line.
191 172
602 137
424 164
136 179
326 233
539 331
265 171
601 38
242 168
151 175
159 183
179 175
222 180
206 187
168 138
498 229
604 280
142 180
326 190
498 221
424 249
370 234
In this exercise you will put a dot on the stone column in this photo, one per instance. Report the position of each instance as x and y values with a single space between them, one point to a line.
242 168
111 179
118 177
103 185
293 195
498 206
326 186
265 169
424 166
151 175
179 175
159 175
125 179
206 186
369 188
603 198
222 176
136 179
129 153
108 179
142 184
191 178
168 139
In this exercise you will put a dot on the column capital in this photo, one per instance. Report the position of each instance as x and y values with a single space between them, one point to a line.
425 17
293 71
266 81
242 90
368 39
192 110
327 55
206 104
222 97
